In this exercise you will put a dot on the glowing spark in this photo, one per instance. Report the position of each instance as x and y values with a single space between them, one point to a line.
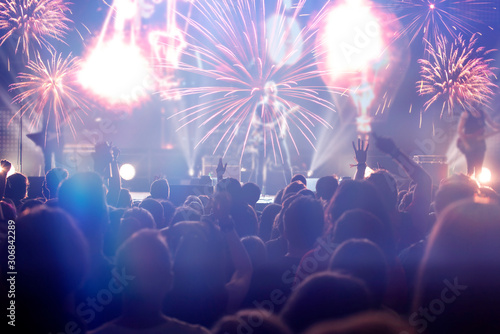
435 17
50 87
251 91
167 46
33 21
290 36
458 72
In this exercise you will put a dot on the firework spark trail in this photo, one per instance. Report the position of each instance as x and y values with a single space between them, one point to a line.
50 87
252 90
433 18
33 22
167 45
458 72
117 51
357 37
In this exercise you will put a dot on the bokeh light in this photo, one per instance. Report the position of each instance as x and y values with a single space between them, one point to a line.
485 176
127 172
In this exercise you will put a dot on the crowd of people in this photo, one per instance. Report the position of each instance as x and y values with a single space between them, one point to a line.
365 255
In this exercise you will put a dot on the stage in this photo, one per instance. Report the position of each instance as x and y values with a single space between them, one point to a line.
176 85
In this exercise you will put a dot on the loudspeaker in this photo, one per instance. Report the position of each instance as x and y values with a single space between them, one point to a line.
35 186
179 193
434 165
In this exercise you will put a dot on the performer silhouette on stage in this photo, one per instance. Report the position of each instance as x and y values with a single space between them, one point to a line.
276 145
472 137
50 139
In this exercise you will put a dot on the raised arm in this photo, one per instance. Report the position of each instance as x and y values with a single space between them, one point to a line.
114 179
237 287
461 124
221 169
360 156
419 207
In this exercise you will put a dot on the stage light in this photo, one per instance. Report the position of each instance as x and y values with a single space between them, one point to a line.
11 171
363 124
116 73
354 37
127 172
126 9
191 171
310 173
485 176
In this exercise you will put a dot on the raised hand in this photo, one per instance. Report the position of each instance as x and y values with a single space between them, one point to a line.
221 206
361 151
386 145
221 169
103 152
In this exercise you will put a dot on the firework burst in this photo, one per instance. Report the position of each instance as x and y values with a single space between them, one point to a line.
431 18
458 73
263 72
33 22
48 91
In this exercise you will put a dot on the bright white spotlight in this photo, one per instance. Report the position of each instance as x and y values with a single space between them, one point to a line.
368 171
191 172
485 176
354 37
310 173
11 171
126 9
117 73
127 172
